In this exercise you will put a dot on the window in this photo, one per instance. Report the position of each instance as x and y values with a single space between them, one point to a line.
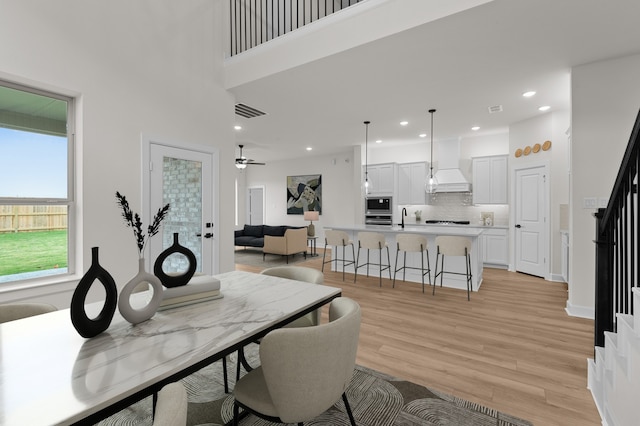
36 183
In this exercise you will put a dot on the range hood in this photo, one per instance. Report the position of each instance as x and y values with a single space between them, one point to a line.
448 174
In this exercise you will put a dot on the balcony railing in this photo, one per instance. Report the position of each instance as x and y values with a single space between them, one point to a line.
253 22
617 243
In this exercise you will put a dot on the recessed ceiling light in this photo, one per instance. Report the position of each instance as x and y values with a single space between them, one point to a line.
237 127
423 135
474 128
379 141
528 94
544 108
309 148
404 123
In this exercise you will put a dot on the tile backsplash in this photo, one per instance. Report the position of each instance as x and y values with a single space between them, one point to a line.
457 206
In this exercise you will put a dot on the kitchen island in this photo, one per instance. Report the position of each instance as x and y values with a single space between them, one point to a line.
454 264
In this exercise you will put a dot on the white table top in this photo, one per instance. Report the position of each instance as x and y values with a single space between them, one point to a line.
462 230
49 374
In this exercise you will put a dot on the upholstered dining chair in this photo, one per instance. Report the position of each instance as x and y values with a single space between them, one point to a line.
298 273
304 371
171 406
16 311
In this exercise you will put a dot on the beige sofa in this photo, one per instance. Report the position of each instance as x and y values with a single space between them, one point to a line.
294 241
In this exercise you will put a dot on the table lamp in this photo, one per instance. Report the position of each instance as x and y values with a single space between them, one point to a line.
311 216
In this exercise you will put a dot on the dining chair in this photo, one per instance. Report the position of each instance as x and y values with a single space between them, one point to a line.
298 273
16 311
304 371
171 406
412 243
448 245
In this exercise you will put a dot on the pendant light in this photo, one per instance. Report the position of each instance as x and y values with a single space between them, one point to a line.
367 184
431 184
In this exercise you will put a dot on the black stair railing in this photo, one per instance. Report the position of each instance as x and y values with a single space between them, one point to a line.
617 239
253 22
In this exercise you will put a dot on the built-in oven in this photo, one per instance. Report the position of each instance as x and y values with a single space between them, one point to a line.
378 219
378 205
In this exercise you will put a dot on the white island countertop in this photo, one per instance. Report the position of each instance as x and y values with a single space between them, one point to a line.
461 230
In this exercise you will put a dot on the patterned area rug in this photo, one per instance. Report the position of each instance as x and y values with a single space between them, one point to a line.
376 400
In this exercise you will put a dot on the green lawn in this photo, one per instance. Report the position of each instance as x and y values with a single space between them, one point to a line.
32 251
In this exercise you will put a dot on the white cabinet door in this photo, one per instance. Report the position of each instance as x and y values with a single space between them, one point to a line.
490 180
411 178
381 178
496 247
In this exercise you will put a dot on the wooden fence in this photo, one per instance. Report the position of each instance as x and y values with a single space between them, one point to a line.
32 218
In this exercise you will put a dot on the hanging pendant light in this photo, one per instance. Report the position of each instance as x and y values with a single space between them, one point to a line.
431 185
367 184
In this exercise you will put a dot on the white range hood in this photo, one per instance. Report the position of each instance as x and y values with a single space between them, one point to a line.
448 174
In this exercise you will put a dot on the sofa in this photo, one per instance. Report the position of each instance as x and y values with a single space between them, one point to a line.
283 240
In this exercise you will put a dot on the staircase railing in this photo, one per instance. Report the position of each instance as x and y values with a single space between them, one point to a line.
617 243
253 22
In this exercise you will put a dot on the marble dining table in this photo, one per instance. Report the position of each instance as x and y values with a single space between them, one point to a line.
50 375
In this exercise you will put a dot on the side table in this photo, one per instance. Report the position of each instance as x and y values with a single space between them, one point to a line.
311 241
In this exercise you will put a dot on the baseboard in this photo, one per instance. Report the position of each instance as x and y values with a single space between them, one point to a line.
580 311
557 278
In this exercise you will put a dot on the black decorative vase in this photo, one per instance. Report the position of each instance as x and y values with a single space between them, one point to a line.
170 281
86 326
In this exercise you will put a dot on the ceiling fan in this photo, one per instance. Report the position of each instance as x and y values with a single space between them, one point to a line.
242 161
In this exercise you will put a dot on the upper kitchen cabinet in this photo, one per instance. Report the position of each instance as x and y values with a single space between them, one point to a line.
490 180
411 178
381 178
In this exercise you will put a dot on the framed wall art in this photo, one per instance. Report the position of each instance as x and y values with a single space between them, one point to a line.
304 193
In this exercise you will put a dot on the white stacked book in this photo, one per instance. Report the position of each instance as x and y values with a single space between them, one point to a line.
200 288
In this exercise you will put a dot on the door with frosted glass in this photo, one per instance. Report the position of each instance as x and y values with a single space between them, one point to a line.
184 179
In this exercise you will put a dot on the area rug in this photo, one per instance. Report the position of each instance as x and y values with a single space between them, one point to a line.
375 398
253 257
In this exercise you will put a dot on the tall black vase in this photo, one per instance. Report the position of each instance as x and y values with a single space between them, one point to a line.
86 326
170 281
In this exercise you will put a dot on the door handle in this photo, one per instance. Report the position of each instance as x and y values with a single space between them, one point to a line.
207 235
518 226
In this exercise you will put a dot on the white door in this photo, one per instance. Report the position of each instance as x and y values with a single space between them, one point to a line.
530 221
184 179
255 206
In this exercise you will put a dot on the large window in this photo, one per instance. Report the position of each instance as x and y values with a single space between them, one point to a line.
36 183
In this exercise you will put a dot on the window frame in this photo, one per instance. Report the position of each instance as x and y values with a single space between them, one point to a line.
70 200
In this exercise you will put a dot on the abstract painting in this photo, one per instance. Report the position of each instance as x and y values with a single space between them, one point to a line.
304 193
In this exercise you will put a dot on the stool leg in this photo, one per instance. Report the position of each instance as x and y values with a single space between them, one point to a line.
380 266
388 262
395 269
429 268
404 270
324 256
435 278
355 275
422 268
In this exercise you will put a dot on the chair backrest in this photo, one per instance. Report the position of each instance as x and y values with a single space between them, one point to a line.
371 240
299 273
16 311
335 238
171 408
308 369
453 246
411 242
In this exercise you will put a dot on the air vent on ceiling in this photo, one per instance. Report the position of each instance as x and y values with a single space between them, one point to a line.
495 108
248 112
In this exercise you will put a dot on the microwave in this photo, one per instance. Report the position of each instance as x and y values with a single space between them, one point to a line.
378 205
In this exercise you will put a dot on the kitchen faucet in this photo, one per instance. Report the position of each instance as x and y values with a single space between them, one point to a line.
403 214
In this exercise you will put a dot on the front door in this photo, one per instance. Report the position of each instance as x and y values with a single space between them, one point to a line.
184 179
530 221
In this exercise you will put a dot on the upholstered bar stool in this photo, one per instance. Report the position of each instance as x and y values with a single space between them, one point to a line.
454 246
412 243
338 239
372 241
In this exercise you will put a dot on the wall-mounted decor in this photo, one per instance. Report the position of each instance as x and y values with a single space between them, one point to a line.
532 150
304 193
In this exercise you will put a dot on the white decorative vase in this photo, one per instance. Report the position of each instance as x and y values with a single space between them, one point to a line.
128 312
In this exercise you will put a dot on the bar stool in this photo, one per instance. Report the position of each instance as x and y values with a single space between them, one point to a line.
454 246
372 241
413 243
338 239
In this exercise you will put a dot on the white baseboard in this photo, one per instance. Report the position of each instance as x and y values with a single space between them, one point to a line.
580 311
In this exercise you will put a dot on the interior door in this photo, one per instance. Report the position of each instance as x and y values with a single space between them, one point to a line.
530 221
184 179
255 206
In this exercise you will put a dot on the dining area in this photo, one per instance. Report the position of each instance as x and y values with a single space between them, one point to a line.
49 374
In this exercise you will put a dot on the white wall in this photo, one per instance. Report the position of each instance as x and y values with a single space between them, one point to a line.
605 102
146 67
339 199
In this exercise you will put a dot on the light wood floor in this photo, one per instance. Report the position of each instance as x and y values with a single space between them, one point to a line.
512 347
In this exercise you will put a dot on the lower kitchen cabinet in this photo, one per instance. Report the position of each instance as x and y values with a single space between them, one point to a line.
495 243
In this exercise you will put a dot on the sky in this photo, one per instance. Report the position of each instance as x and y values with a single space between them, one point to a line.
32 165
